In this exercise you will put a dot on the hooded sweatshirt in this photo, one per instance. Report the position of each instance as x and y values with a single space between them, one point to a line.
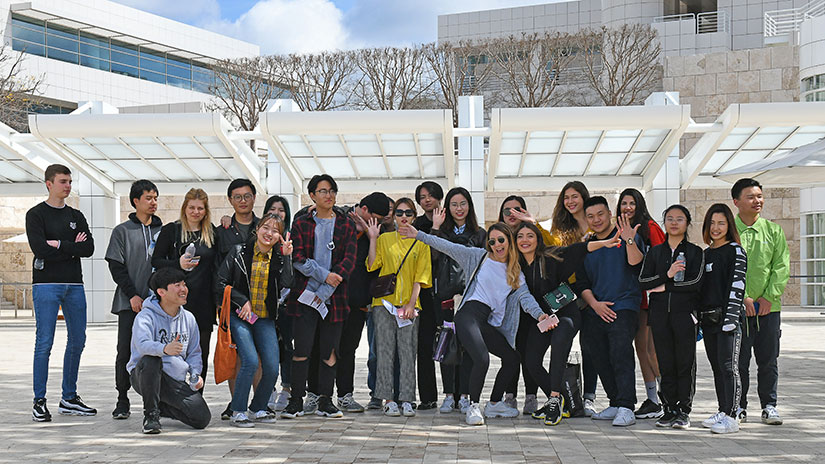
130 259
154 329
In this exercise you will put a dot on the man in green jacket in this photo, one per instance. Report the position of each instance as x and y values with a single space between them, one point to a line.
768 273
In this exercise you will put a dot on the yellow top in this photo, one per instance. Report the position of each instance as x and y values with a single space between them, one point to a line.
259 281
389 251
551 239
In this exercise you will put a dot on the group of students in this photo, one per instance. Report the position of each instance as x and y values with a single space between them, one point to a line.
299 291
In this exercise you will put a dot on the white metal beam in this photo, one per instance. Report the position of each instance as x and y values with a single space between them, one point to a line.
660 157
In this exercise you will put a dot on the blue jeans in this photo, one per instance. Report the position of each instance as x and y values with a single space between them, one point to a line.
254 340
48 298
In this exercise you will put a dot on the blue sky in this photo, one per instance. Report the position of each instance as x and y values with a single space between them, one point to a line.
301 26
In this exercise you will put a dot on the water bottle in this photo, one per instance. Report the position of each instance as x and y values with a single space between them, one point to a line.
190 253
193 379
680 276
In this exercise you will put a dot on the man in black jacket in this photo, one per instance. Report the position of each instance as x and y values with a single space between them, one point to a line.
130 262
237 229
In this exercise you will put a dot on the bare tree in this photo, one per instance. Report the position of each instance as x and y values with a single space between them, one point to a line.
529 67
392 78
458 69
621 64
243 86
18 92
319 82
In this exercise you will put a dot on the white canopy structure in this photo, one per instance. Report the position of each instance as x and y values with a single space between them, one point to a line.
802 165
21 164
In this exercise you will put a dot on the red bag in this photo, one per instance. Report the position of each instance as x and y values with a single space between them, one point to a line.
226 353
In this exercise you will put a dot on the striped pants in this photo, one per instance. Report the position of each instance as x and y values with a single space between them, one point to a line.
389 338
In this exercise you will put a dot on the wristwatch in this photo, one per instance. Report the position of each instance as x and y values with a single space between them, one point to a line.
629 241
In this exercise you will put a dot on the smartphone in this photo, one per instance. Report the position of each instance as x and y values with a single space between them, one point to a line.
195 259
252 316
548 322
756 306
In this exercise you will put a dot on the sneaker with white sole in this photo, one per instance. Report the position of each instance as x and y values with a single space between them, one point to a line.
531 404
667 418
474 416
375 403
741 415
327 409
40 413
553 410
464 404
710 421
447 405
240 419
311 403
770 415
649 410
589 407
293 409
725 425
624 417
499 409
682 421
511 400
75 407
151 422
608 413
266 416
281 401
391 409
407 409
347 403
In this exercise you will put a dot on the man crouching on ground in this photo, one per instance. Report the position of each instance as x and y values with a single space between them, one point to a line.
165 347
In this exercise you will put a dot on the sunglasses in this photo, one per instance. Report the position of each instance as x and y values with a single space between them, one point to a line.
492 241
405 212
508 211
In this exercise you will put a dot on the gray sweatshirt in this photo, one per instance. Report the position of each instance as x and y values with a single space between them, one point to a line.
130 259
154 329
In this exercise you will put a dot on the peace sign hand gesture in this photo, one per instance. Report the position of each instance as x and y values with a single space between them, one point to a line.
286 245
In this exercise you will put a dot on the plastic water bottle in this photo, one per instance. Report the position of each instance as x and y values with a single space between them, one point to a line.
190 253
680 276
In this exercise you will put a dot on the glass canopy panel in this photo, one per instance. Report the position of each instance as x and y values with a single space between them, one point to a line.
716 161
803 138
768 138
115 151
149 151
544 144
650 142
110 169
538 165
85 151
297 149
173 170
430 144
328 148
618 141
307 166
606 164
512 142
581 141
13 173
433 166
232 168
362 144
370 166
572 164
141 169
736 138
508 165
746 157
404 166
339 167
635 164
214 147
207 169
186 150
398 144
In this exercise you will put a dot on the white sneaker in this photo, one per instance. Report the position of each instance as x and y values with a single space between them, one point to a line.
464 404
474 416
589 407
710 421
725 425
624 417
407 409
240 419
264 416
281 401
447 405
608 413
391 409
741 415
500 409
511 400
273 397
770 415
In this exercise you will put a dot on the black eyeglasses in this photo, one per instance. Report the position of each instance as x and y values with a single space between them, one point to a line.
405 212
325 192
508 211
492 241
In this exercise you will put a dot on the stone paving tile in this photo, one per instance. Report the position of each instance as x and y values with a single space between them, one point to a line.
373 438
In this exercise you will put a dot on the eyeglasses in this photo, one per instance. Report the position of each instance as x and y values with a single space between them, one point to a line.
509 211
675 220
463 204
244 197
492 241
325 192
405 212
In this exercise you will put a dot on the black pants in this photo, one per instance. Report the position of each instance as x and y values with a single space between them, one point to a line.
530 385
285 347
171 397
350 339
674 335
450 381
480 339
723 353
761 336
560 340
125 320
427 322
206 337
611 349
327 339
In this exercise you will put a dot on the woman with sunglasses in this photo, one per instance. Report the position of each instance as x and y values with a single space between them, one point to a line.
632 206
547 269
672 272
458 224
396 325
488 317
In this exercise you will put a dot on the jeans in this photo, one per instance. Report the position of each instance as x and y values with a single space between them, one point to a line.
254 341
125 320
611 348
48 298
761 334
168 396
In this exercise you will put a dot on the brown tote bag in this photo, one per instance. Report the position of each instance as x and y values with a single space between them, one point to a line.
226 353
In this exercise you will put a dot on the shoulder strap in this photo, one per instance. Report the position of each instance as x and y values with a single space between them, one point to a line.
405 257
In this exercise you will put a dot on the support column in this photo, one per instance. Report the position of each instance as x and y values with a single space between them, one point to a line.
471 152
666 183
277 182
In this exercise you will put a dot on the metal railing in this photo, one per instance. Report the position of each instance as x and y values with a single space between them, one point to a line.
15 297
704 23
788 21
675 17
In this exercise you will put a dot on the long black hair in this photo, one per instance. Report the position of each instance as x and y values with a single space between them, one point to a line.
641 216
684 211
520 201
279 199
471 220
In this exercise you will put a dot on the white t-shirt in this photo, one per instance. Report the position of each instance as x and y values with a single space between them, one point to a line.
492 289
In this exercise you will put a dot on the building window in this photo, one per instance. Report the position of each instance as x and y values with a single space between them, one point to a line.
813 259
813 88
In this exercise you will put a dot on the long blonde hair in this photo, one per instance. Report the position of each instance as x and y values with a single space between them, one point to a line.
513 266
207 235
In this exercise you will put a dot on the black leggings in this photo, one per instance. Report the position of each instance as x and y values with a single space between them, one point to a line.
479 339
560 339
530 385
723 353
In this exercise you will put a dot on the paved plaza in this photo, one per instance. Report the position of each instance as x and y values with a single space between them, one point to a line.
429 437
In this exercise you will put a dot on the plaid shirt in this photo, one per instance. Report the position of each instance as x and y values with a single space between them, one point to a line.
343 262
259 281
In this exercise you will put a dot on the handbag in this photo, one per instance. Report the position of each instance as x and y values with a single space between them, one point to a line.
560 297
711 317
385 285
446 349
571 390
226 352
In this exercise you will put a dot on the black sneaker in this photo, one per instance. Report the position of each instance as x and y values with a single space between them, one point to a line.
540 413
554 410
649 410
75 407
326 408
40 413
667 418
151 422
227 413
295 408
121 410
426 405
682 421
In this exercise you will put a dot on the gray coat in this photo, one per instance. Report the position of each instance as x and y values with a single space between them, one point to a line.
470 260
130 259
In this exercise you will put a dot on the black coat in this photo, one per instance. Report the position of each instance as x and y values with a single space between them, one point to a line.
678 296
237 268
